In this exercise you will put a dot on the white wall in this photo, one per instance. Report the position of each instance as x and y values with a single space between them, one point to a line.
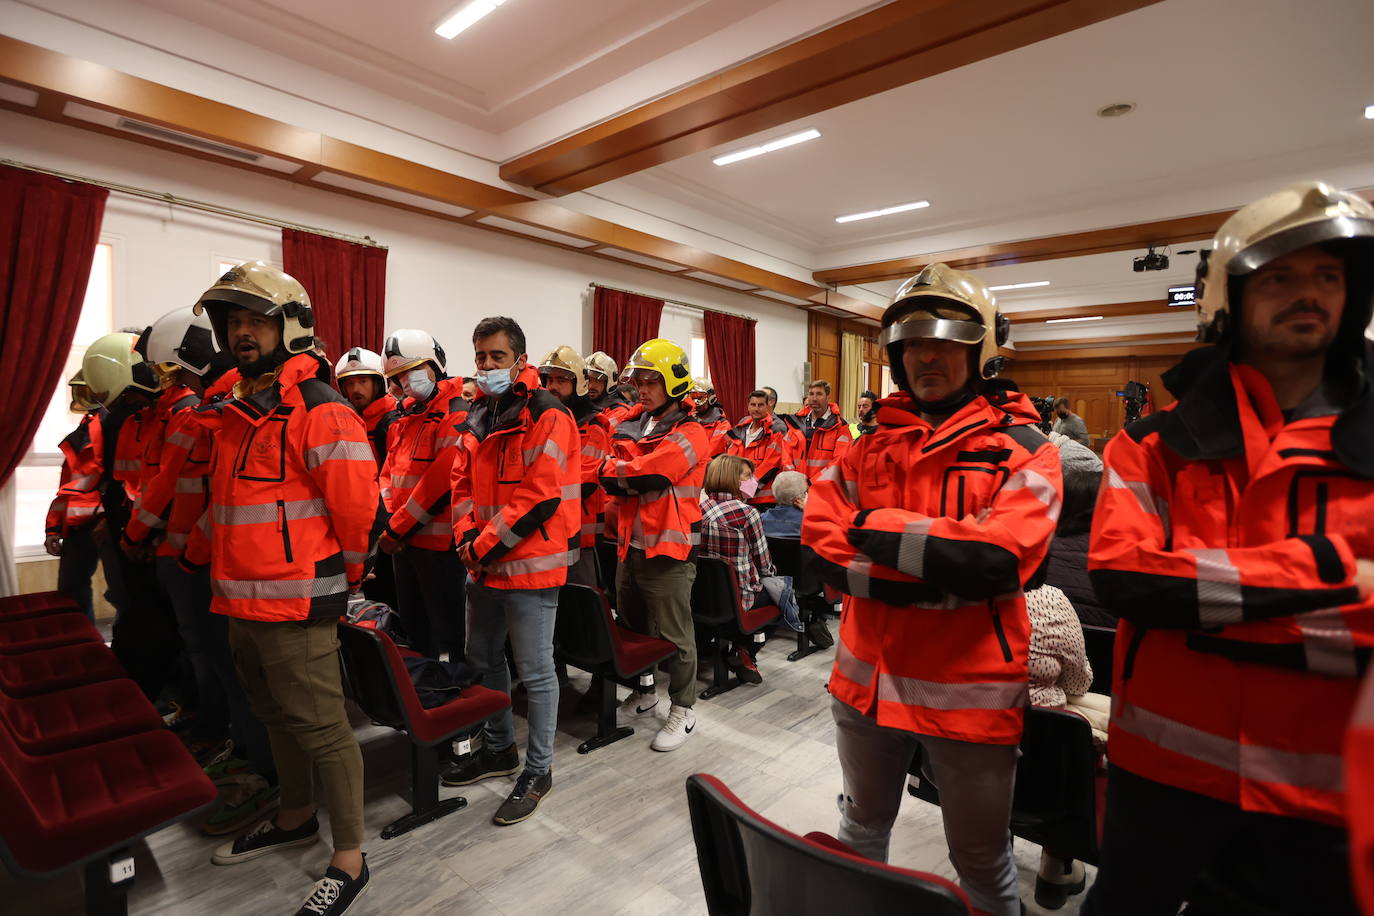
441 276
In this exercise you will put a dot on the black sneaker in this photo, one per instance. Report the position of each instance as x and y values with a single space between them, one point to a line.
819 632
483 764
529 791
264 838
335 892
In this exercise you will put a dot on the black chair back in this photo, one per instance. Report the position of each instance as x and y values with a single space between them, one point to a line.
795 559
715 594
368 676
580 633
752 866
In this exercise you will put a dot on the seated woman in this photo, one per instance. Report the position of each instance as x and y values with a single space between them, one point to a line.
731 531
784 520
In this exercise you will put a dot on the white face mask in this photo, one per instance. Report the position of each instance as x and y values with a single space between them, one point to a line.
417 384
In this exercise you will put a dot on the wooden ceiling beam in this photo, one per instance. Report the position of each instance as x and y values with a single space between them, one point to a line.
898 43
59 78
1109 310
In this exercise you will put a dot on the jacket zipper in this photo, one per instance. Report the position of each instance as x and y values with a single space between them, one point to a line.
1001 633
285 530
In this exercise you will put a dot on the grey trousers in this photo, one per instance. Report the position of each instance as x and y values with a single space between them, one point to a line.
976 783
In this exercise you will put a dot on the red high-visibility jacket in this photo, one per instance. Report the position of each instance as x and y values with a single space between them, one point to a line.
377 418
517 485
772 453
594 431
717 427
77 501
931 534
825 442
1227 540
614 408
416 481
154 429
655 481
178 496
1359 781
293 495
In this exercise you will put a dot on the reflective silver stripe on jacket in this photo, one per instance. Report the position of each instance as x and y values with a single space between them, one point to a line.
261 513
354 556
570 491
1219 598
853 668
1327 642
910 691
176 540
835 474
591 451
416 511
446 442
1248 761
680 492
547 447
126 465
81 511
339 450
182 441
190 484
149 519
685 444
535 564
463 508
1143 494
410 481
1040 487
84 482
278 589
911 549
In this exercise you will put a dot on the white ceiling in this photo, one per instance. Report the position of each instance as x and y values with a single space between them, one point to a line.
1235 98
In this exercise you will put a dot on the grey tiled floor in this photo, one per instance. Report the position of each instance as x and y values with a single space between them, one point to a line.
612 838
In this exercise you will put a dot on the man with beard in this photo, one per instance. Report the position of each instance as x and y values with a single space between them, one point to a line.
827 433
363 383
1232 536
603 390
868 416
293 495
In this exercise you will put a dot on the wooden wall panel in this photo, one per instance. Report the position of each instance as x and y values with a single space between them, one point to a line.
1091 385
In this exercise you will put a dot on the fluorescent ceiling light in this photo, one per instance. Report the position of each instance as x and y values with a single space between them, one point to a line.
1063 320
887 211
1369 112
780 143
465 17
1181 289
1019 285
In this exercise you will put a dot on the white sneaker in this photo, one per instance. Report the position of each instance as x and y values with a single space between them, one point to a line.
681 722
636 706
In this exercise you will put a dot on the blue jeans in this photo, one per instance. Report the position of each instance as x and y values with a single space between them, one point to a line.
527 616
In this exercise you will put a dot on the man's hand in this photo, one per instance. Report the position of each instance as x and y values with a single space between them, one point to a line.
388 545
1364 578
53 545
470 559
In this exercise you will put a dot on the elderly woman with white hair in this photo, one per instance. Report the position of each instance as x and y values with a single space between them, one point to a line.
784 520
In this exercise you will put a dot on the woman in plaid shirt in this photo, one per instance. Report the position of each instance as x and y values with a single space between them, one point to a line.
731 530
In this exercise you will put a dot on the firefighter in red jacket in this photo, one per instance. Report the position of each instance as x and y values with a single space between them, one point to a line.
1232 535
417 492
710 414
930 526
139 399
563 373
1359 765
293 488
827 432
769 442
602 389
74 510
517 483
367 393
654 475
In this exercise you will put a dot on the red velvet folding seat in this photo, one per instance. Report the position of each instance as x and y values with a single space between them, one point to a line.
45 670
720 616
28 634
86 805
36 604
377 679
751 865
78 716
586 636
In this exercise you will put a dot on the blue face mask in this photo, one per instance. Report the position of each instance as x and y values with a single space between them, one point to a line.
494 382
417 384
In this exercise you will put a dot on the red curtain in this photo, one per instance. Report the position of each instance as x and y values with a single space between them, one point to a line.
623 321
730 354
48 232
347 287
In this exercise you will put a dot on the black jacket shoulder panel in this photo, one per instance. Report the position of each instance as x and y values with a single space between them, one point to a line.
1028 437
315 393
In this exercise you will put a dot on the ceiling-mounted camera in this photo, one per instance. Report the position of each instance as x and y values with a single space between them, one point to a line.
1151 260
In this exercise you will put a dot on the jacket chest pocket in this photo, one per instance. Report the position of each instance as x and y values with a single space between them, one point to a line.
262 453
878 481
424 443
201 451
968 488
510 464
1332 502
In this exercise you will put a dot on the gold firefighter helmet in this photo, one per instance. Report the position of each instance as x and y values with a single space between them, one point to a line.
668 360
566 359
943 303
601 363
82 402
266 290
1303 214
113 365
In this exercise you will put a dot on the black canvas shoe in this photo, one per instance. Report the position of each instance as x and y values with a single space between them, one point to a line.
264 838
529 791
483 764
1057 880
819 633
335 892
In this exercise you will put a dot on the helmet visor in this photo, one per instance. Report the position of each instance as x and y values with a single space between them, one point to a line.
924 326
1314 233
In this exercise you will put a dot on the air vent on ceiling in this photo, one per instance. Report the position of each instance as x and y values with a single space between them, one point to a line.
177 137
827 310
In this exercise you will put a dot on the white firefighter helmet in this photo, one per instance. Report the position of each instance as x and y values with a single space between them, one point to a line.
408 348
181 338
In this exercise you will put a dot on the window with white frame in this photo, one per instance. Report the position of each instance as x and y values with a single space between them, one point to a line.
686 328
40 471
